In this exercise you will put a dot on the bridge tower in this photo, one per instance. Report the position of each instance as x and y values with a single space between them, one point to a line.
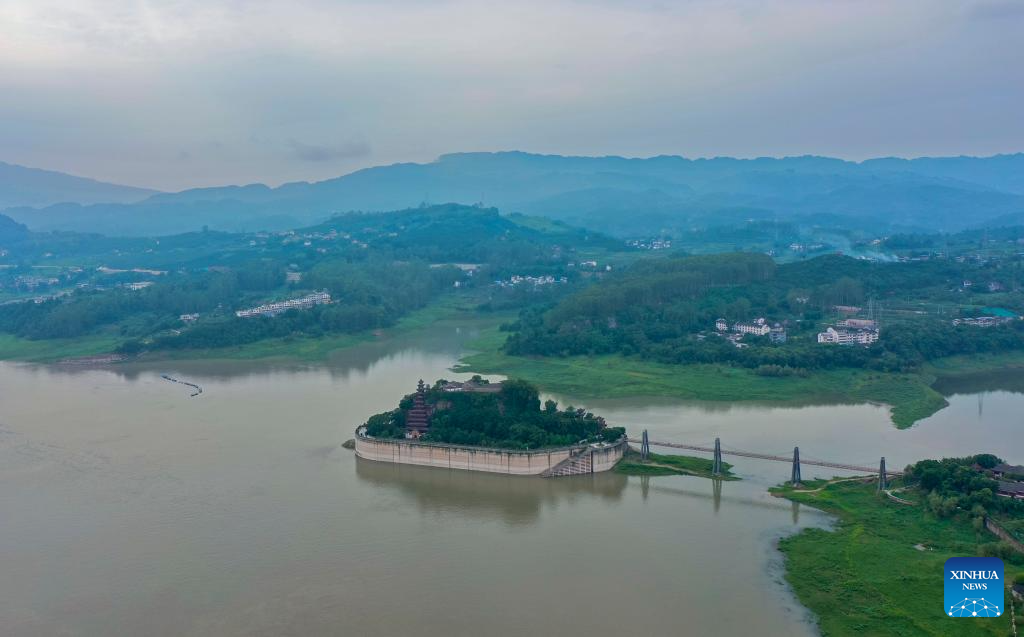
716 466
645 447
795 479
882 481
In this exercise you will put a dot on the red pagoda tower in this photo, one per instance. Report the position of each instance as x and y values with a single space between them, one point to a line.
417 420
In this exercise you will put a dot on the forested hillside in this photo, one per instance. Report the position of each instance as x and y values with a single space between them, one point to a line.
665 310
377 268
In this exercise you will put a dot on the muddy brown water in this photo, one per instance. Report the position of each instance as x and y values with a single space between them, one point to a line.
128 508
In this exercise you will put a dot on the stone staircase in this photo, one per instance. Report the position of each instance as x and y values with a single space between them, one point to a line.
578 463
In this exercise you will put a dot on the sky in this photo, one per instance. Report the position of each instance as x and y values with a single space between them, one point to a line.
184 93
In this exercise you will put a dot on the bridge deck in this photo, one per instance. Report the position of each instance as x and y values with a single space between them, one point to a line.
765 456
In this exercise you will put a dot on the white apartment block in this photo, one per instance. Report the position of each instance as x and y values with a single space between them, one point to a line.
848 337
757 328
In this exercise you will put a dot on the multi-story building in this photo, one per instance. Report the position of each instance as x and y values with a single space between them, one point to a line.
758 327
273 309
848 337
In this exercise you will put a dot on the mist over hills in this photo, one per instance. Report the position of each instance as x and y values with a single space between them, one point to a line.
626 197
23 186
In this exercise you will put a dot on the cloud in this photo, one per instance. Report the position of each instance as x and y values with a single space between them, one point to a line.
997 10
318 153
114 89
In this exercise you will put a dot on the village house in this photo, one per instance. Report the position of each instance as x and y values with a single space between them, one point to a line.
777 334
859 324
721 325
982 321
1013 490
846 309
273 309
758 327
1008 470
848 337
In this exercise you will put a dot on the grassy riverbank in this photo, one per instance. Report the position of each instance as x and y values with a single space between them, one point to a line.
669 465
870 576
52 350
450 308
910 396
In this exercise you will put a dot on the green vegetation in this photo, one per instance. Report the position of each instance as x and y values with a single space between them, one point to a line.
879 572
51 350
867 577
668 465
665 310
614 376
478 414
956 485
378 268
449 309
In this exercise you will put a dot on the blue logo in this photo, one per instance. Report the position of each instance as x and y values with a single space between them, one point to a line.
974 587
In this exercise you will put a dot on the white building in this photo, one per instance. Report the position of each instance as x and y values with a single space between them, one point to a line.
859 324
273 309
721 325
983 321
848 337
757 328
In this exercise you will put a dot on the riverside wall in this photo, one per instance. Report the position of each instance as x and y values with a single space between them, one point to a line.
513 462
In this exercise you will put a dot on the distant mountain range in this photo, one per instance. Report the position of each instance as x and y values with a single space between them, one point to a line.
627 197
33 187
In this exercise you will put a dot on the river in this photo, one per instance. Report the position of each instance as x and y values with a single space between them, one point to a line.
129 508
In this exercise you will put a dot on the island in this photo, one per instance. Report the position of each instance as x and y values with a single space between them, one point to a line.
494 427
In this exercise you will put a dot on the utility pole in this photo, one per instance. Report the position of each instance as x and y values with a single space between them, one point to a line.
645 447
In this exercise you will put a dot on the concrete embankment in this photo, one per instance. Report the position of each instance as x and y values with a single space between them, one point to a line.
513 462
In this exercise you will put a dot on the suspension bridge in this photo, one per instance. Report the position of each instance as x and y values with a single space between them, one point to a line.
717 452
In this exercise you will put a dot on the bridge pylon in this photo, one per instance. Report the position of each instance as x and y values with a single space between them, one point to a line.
795 478
883 482
645 447
716 465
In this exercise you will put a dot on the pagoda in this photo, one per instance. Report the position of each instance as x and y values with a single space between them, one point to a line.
417 419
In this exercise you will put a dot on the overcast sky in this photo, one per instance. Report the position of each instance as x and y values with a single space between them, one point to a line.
178 93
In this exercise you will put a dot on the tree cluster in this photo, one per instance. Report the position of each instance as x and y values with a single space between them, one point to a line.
511 418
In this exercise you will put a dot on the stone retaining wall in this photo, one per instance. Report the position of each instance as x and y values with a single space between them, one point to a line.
1003 534
524 463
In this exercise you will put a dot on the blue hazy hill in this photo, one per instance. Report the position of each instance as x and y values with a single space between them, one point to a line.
23 186
612 194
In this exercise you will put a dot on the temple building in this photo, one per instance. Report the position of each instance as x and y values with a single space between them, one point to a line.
417 420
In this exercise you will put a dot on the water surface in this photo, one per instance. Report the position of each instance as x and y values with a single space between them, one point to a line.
131 509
